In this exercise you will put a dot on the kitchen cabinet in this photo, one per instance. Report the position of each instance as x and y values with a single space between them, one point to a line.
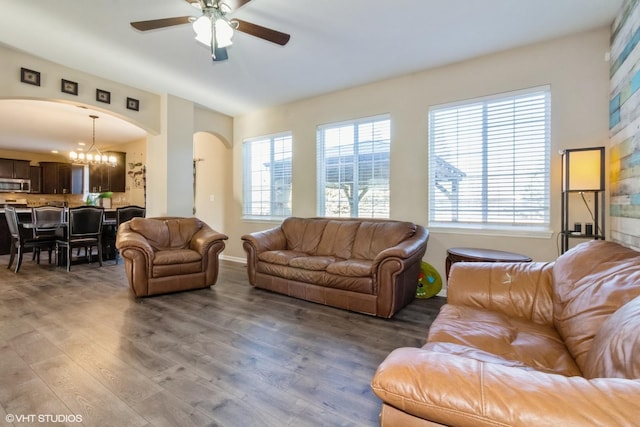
61 178
35 174
18 169
108 178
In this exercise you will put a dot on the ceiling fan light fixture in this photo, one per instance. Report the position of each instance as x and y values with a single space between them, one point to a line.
202 28
213 29
205 28
223 30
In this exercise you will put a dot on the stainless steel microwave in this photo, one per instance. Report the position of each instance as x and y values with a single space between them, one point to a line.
11 185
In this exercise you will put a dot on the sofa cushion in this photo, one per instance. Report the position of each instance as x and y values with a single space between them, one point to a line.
176 256
166 234
351 268
337 239
303 234
291 273
360 285
374 237
475 354
280 257
615 349
512 339
318 263
591 282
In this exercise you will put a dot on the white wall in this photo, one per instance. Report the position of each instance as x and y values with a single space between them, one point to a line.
148 117
573 66
213 179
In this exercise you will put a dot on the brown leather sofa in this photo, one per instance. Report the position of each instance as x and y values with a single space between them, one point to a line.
369 266
533 344
169 254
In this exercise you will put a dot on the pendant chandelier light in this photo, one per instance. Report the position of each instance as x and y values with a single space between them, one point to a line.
92 155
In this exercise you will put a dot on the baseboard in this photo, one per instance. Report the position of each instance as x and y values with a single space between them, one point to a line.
233 259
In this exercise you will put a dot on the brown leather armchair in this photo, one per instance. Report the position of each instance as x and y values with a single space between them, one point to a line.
169 254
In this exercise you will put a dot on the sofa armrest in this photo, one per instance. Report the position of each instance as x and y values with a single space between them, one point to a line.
454 390
395 273
126 239
415 245
261 241
267 240
515 289
204 238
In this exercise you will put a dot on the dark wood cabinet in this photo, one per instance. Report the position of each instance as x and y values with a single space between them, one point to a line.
49 177
6 168
98 178
35 174
21 169
18 169
108 178
61 178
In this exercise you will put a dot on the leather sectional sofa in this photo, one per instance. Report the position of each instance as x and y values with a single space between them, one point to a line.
369 266
526 344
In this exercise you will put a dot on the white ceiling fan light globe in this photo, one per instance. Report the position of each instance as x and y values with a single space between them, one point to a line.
202 28
224 32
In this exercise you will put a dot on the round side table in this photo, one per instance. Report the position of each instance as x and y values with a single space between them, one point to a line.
481 255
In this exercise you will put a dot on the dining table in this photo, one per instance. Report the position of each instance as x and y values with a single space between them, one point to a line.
109 230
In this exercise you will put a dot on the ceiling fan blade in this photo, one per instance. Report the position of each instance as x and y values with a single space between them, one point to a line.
263 32
161 23
235 4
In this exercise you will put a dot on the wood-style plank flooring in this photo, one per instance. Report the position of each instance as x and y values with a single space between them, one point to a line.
78 346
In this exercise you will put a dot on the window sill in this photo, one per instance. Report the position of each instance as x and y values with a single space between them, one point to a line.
541 232
263 219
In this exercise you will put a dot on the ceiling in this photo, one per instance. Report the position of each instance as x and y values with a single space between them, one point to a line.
334 44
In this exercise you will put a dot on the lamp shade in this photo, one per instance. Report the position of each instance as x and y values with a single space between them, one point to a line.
583 169
224 32
202 28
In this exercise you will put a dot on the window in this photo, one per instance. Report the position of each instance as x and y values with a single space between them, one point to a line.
489 161
266 164
353 168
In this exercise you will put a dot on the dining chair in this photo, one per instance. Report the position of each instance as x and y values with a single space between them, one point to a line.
126 213
22 238
47 220
84 230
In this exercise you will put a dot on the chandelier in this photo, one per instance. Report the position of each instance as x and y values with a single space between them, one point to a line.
92 155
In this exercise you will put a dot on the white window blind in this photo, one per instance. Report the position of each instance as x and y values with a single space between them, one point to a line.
266 165
489 161
353 168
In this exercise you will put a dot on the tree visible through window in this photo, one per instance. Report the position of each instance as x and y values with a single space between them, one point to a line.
353 168
266 167
489 161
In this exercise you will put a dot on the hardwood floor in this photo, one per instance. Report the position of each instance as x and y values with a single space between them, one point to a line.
79 347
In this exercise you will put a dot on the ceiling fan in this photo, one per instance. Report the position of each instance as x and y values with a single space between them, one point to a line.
214 28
